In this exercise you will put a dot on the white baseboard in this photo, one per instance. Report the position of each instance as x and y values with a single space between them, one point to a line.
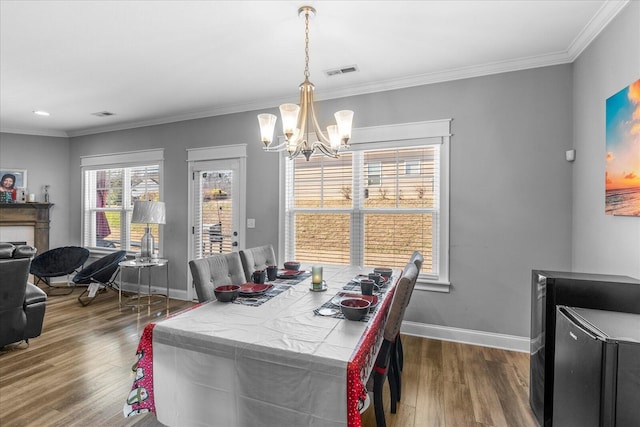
467 336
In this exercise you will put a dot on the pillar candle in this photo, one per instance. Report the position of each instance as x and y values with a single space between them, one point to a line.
316 277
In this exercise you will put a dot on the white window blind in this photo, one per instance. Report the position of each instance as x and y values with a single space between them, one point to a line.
374 205
109 191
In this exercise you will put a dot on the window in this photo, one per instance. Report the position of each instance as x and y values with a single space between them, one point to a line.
372 206
412 167
374 170
109 191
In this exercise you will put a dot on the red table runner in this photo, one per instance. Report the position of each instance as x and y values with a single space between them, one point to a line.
140 399
363 360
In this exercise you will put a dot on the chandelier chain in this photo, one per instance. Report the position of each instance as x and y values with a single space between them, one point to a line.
306 44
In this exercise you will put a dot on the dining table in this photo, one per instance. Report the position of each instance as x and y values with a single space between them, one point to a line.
286 357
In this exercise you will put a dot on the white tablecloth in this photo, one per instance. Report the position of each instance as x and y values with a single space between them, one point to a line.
278 364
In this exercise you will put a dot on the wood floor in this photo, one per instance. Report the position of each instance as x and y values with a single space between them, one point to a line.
77 373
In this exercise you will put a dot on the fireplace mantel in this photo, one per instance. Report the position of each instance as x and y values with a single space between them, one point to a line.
35 215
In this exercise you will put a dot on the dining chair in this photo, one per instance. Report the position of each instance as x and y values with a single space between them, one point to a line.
391 332
216 270
418 260
257 258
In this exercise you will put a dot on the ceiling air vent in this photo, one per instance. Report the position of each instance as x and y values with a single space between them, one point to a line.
103 114
343 70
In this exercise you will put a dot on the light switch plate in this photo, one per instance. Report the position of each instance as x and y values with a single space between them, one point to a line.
251 223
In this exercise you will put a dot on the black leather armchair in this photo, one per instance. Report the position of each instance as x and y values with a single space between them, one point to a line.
22 304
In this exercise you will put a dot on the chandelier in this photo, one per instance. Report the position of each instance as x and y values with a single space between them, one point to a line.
299 123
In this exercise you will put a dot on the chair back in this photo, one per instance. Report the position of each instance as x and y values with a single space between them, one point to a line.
100 271
417 259
400 301
258 258
211 272
59 261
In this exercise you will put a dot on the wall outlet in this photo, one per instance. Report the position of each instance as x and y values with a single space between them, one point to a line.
251 223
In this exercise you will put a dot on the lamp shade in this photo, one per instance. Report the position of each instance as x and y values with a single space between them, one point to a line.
148 213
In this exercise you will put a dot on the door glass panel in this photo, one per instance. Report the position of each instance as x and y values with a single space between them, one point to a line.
215 207
217 212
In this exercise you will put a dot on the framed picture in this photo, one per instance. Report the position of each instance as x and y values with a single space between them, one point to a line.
12 178
622 173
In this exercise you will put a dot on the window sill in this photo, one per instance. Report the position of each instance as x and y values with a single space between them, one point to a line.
433 286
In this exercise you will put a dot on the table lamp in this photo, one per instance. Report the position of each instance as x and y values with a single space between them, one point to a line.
147 213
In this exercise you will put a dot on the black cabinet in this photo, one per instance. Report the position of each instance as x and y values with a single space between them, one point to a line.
552 288
597 368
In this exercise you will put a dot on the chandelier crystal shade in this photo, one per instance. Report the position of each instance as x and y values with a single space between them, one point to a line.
299 124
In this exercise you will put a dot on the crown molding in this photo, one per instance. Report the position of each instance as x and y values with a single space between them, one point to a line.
602 18
54 133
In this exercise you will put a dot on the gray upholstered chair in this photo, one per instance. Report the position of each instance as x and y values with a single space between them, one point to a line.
22 304
385 361
258 258
417 259
211 272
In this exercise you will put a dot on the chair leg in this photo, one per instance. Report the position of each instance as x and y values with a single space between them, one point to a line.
85 301
378 383
400 353
66 290
394 395
395 374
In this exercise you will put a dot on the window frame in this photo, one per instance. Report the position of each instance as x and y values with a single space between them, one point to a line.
124 160
397 136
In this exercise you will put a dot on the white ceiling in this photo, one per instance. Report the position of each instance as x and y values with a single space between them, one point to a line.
155 62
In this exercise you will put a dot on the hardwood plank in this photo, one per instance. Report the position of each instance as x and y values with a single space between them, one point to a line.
514 396
484 399
458 411
453 362
430 401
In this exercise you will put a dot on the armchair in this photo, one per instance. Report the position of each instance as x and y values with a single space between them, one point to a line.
58 262
22 304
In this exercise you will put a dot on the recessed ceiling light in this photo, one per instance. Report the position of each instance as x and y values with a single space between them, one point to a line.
41 113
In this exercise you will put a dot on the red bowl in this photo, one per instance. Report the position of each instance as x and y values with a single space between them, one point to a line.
226 293
292 265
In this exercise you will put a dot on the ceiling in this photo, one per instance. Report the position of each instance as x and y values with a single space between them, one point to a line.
151 62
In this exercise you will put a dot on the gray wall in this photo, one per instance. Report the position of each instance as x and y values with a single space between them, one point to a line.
603 243
508 167
510 195
516 204
46 160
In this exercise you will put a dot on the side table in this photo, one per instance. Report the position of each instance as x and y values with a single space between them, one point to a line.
140 265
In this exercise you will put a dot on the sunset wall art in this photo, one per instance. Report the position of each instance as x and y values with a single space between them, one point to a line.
622 172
